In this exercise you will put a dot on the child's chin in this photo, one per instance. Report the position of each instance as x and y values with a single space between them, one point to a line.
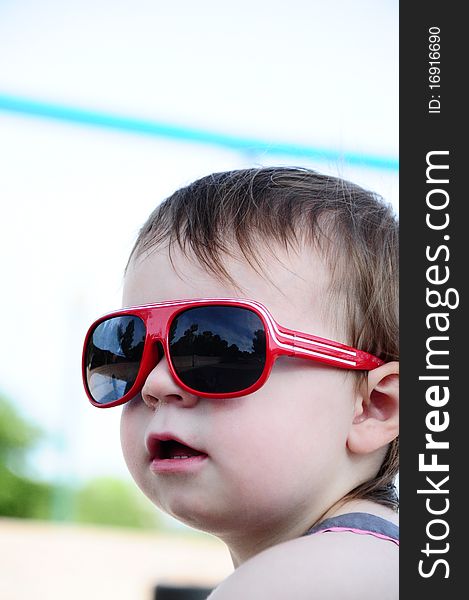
205 518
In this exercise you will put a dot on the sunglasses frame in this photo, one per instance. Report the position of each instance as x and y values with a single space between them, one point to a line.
280 341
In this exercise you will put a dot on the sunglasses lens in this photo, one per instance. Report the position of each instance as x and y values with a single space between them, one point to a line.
218 349
113 356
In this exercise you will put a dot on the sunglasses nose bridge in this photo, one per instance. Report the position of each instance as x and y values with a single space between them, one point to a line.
157 326
157 323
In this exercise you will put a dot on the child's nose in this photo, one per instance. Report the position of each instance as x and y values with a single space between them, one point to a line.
161 388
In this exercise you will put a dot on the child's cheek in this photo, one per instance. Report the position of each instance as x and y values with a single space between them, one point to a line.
131 438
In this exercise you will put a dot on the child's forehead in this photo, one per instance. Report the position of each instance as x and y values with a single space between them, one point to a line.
294 285
270 265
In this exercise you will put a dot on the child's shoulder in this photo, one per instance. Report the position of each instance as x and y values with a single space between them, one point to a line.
340 564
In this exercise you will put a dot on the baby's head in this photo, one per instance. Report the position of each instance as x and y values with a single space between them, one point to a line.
321 255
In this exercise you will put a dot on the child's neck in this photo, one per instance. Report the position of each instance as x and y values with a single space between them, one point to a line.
243 547
360 505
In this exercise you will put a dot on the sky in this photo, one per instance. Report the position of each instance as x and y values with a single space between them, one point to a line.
73 197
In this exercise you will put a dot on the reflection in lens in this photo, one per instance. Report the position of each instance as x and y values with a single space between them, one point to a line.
218 349
113 357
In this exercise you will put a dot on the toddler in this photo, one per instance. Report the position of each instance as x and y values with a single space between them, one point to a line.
256 362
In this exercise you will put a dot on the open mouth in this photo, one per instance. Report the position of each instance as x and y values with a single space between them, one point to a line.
166 448
172 449
169 455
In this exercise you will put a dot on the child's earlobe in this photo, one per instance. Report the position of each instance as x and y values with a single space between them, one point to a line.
376 418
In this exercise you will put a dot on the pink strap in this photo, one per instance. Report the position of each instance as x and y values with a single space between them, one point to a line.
361 532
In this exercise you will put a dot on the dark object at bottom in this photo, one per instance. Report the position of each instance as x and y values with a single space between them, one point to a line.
172 592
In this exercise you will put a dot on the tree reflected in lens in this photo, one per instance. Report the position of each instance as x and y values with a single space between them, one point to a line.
218 349
113 357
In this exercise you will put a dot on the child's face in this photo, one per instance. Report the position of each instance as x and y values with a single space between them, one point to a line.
274 458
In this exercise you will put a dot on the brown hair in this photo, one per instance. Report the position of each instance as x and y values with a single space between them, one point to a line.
355 229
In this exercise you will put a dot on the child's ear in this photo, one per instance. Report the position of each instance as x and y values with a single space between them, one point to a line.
376 415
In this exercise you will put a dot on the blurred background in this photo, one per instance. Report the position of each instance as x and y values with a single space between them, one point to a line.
105 109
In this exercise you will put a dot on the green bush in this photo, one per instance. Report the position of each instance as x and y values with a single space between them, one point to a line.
20 496
23 498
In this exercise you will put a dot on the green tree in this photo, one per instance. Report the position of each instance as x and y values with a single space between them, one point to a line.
20 496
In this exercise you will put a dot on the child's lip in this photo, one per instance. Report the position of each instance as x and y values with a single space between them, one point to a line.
178 465
153 444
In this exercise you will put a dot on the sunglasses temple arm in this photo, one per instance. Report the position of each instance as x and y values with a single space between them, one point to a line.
306 345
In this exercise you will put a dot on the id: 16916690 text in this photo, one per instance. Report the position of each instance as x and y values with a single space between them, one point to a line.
434 104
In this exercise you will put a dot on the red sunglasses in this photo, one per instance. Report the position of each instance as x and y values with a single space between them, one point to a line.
215 348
